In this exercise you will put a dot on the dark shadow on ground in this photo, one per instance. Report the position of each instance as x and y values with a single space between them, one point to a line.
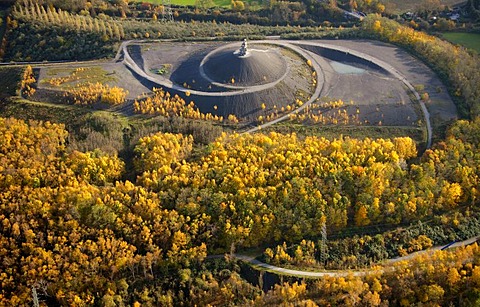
188 73
342 57
135 52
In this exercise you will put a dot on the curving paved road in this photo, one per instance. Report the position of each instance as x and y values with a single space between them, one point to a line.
299 273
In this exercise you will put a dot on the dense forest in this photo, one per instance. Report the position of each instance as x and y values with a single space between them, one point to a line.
473 7
74 230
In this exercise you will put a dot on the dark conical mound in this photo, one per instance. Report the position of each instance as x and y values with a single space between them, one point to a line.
256 68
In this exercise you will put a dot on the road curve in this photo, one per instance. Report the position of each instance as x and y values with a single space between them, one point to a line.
298 273
316 94
369 58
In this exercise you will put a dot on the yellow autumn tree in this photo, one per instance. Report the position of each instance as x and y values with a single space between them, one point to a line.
27 82
161 150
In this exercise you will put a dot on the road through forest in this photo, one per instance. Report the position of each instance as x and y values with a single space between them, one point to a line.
343 273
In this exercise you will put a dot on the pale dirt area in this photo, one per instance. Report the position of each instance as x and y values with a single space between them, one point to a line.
378 99
441 107
370 93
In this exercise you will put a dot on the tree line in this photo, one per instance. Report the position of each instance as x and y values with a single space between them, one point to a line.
61 35
164 104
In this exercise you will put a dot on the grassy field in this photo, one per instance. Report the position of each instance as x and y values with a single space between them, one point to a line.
23 109
69 77
468 40
212 3
401 6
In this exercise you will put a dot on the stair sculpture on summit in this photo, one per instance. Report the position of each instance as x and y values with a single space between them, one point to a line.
243 49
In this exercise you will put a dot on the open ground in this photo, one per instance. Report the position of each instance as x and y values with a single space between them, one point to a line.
468 40
345 70
401 6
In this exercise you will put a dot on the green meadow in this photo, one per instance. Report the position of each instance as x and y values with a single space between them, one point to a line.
468 40
213 3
